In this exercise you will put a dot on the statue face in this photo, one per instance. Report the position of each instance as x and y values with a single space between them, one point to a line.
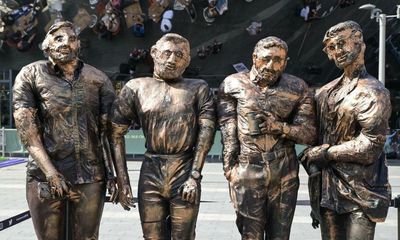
63 45
170 59
269 63
343 48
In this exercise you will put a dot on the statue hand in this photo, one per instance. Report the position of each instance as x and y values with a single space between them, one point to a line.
231 174
59 187
317 155
112 189
125 196
269 124
189 190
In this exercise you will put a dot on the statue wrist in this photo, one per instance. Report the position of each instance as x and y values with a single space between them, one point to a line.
328 155
285 129
196 175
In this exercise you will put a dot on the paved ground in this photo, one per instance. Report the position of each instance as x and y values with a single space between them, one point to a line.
216 218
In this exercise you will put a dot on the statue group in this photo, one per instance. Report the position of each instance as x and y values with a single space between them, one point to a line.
73 127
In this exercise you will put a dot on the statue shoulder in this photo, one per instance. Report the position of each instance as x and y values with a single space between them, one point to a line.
99 75
234 80
136 83
293 83
371 86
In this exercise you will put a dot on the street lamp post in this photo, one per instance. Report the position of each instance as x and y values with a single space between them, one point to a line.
381 18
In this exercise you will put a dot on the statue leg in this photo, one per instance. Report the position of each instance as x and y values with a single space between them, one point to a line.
153 207
183 214
332 225
47 215
281 197
184 217
359 226
86 208
248 195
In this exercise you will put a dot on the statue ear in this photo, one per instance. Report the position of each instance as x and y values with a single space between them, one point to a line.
153 51
358 34
254 56
286 60
188 62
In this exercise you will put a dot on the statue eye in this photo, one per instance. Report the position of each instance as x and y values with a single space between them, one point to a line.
167 53
277 59
266 59
179 54
58 38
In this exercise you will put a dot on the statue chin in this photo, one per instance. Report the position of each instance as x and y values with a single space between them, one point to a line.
267 79
168 75
61 58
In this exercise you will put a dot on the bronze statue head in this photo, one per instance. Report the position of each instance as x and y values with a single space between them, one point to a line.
269 60
344 44
171 55
61 43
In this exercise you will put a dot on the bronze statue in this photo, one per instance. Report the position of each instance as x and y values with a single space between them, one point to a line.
262 114
178 117
353 112
61 111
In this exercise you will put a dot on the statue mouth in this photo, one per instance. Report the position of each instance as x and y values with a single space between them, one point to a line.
64 50
342 58
170 66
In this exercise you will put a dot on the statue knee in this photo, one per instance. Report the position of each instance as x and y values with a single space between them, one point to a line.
155 231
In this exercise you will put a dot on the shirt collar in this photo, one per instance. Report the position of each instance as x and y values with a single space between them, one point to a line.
56 70
353 82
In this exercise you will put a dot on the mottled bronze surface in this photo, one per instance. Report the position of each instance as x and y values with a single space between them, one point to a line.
262 114
178 117
61 111
353 112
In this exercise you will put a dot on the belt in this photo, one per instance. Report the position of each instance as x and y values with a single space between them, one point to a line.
263 157
182 155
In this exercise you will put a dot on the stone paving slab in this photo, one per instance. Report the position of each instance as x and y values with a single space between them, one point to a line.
216 217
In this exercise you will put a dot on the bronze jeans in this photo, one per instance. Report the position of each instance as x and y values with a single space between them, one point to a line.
348 226
86 202
163 213
265 196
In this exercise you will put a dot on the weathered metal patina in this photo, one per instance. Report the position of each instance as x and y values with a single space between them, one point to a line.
178 117
353 112
262 114
61 111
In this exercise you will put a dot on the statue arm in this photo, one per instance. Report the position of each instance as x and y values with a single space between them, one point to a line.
372 113
30 135
26 120
227 120
205 138
122 117
303 128
206 133
118 150
107 97
29 130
